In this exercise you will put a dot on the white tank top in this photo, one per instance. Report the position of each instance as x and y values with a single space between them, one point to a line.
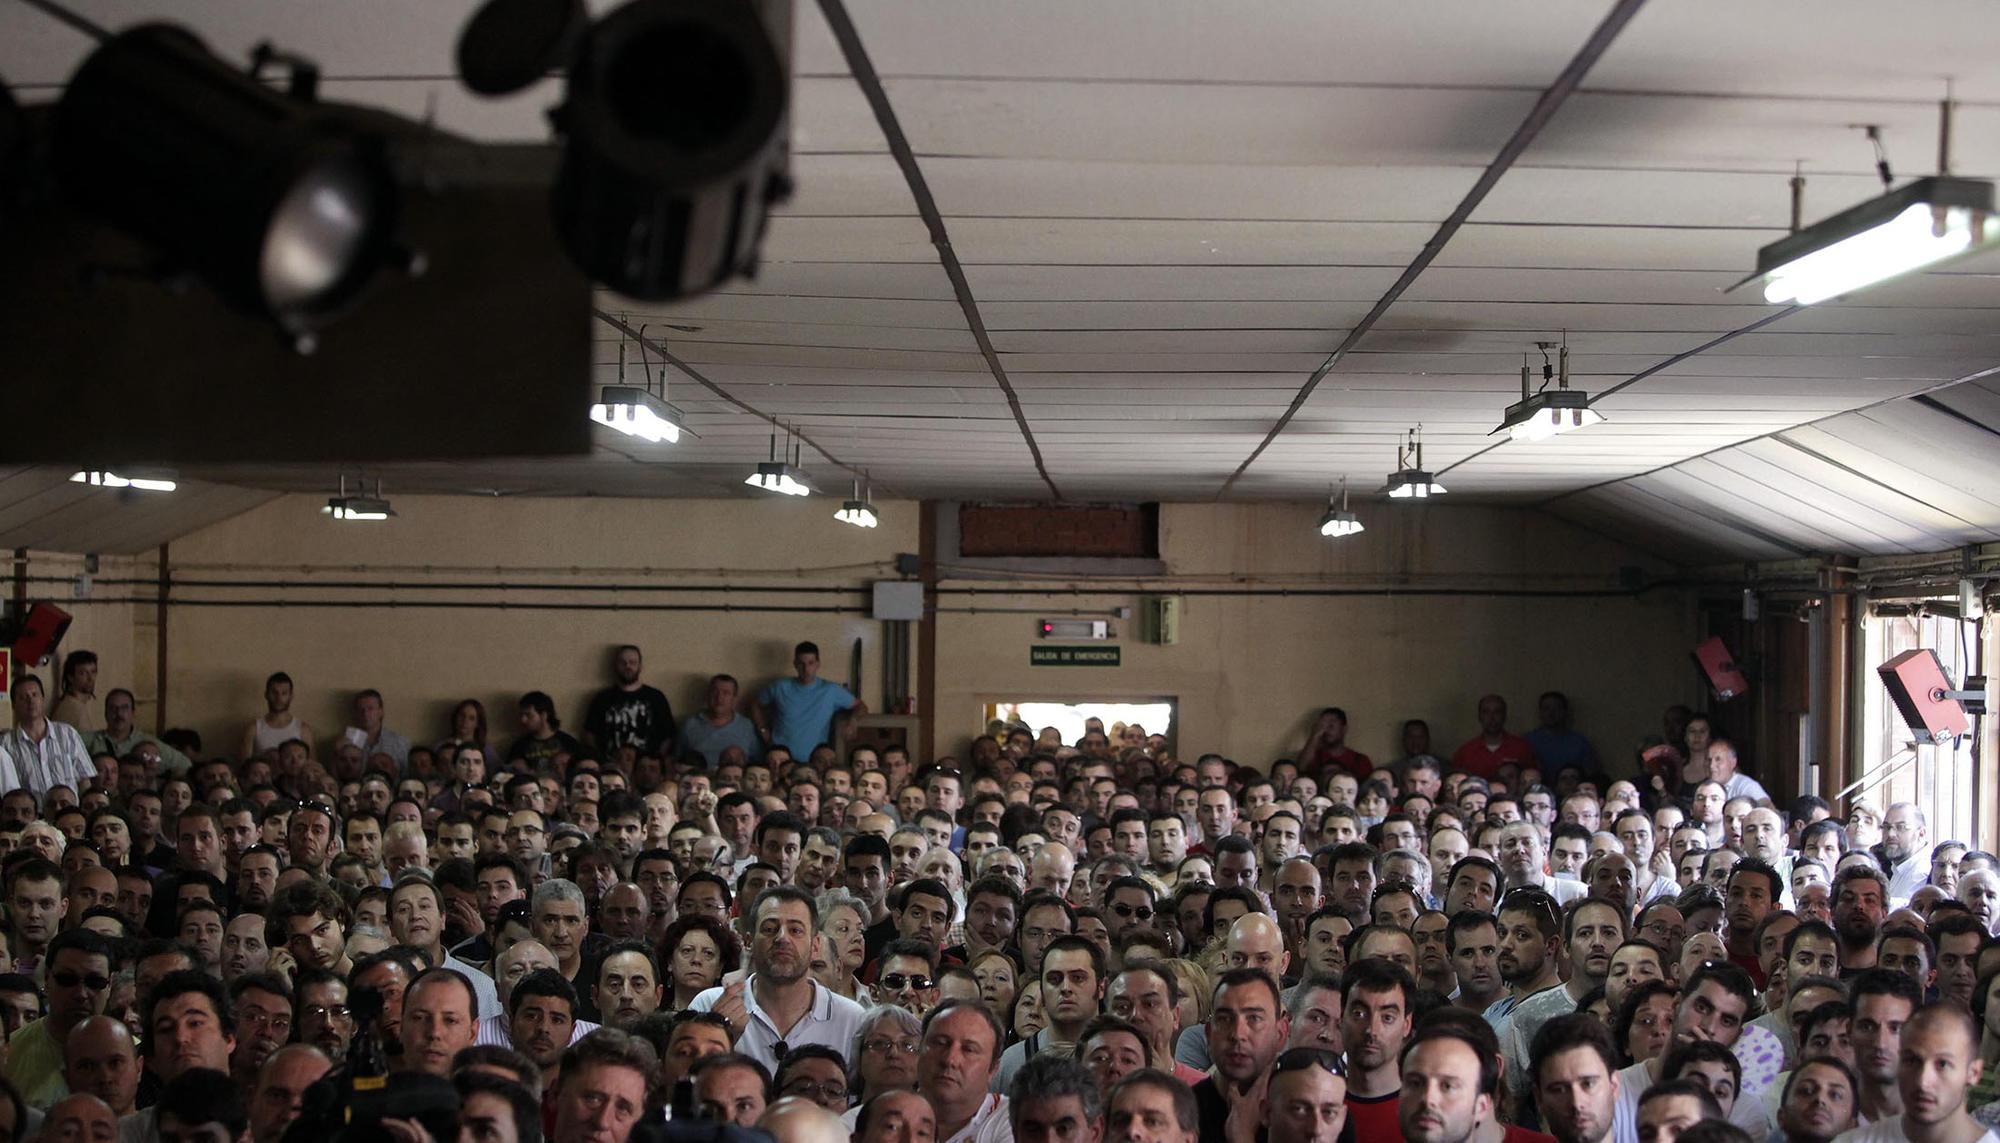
269 738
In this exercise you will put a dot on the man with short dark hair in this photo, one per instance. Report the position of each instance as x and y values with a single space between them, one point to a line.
606 1086
1151 1106
201 1106
1247 1028
1819 1101
440 1019
629 712
1072 979
779 1001
1573 1073
1447 1086
798 713
81 964
1714 1004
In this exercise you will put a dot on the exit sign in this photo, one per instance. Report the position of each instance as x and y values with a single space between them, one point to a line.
1043 655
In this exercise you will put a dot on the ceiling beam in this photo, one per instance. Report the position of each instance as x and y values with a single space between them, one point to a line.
1538 117
856 53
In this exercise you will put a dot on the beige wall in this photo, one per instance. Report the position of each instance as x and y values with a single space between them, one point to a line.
425 659
1248 672
104 621
1251 672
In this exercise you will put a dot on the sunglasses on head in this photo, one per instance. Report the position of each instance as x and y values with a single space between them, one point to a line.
1299 1059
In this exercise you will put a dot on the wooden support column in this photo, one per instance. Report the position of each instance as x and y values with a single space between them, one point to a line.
1833 663
160 645
927 537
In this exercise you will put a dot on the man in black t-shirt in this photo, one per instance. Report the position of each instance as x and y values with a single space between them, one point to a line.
630 713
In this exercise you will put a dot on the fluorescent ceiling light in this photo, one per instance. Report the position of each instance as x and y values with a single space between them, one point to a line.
1547 414
1412 483
358 508
1925 224
859 513
637 413
1411 480
103 479
1339 520
777 476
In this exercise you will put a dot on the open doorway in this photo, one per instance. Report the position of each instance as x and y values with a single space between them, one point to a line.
1156 716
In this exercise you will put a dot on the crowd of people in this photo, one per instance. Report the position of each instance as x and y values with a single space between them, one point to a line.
724 919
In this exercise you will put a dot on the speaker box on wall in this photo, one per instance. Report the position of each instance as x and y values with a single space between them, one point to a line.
1921 691
1720 667
41 632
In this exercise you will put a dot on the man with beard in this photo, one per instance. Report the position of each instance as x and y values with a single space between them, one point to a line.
1574 1077
1883 1003
1819 1102
1247 1028
1752 892
541 1020
629 712
1376 1003
1530 947
1713 1006
779 1001
1906 844
1592 930
1937 1066
659 878
1860 902
309 839
1446 1081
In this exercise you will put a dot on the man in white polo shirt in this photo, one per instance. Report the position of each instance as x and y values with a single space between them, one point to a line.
779 1006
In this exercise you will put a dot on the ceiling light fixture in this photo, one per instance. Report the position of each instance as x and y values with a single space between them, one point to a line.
1927 223
345 507
776 475
1339 519
1547 412
1410 480
858 511
100 478
633 409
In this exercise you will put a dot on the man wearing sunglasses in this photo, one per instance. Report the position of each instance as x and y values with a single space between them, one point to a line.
80 967
909 976
1128 901
1306 1101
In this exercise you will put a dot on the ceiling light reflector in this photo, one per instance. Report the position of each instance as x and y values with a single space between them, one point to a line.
637 413
779 477
1924 224
1411 480
105 479
859 513
358 508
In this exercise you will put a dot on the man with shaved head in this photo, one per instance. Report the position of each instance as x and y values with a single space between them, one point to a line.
79 1119
1254 941
1053 869
100 1058
281 1087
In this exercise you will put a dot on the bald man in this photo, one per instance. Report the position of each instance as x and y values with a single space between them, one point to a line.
1053 869
281 1088
1254 941
100 1058
79 1119
795 1119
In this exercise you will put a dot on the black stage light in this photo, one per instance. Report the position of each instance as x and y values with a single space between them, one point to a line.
675 125
286 207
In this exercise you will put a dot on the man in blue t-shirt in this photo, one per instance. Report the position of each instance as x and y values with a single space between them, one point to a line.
797 714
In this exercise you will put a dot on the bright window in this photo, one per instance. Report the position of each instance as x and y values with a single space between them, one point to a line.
1156 717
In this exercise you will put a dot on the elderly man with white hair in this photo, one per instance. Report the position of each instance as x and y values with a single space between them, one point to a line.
1980 890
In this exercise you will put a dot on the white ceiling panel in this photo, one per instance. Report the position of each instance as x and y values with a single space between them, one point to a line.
1168 213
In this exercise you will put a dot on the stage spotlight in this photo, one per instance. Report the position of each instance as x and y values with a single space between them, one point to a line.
675 126
284 206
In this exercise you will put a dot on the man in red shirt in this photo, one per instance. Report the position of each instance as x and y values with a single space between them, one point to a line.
1326 748
1493 746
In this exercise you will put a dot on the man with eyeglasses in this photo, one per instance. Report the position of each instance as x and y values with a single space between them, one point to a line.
1072 979
908 978
817 1073
324 1019
262 1004
80 966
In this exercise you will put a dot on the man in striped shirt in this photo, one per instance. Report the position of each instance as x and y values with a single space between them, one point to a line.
39 753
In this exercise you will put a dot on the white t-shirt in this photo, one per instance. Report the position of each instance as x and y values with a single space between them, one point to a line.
1748 1112
1890 1130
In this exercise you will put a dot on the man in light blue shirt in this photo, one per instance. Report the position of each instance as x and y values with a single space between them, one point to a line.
804 707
